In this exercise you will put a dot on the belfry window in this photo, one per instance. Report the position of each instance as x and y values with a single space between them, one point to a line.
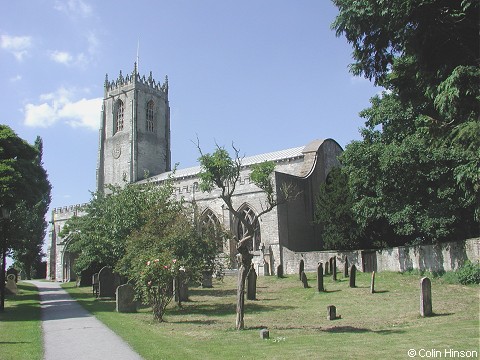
119 116
248 214
150 116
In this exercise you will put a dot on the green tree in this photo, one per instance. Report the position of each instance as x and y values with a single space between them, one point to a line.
25 192
220 170
168 246
333 211
414 177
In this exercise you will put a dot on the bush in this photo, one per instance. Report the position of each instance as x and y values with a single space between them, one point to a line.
469 273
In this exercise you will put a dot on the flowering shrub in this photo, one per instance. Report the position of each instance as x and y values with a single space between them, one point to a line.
155 284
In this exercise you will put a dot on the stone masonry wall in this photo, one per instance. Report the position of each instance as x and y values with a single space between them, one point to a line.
443 257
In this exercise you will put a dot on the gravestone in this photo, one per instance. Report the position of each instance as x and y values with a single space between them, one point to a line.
252 284
304 279
301 268
345 268
425 297
11 284
125 299
372 283
331 312
266 269
326 267
106 283
334 269
14 272
280 271
353 274
320 277
264 334
207 278
181 287
95 284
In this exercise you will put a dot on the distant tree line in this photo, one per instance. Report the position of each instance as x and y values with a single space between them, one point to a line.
414 177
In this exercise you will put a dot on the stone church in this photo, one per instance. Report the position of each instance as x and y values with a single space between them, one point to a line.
134 140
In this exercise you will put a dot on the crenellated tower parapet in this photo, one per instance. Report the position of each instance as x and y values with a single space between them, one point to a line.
133 79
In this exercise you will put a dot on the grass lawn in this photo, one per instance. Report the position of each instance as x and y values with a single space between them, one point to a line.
20 326
372 326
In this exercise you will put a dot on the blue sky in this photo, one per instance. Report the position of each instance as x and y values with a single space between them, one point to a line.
267 75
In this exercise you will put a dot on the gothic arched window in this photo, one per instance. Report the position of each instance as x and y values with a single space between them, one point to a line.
248 214
119 116
150 116
211 228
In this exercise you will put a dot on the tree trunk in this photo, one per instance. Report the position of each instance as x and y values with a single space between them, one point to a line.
245 261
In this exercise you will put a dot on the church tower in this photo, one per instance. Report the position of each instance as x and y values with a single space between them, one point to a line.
134 135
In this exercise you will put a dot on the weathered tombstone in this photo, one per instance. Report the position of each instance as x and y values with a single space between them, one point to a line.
181 287
106 283
331 312
425 297
304 279
95 284
345 268
14 272
372 283
330 264
280 271
125 299
320 277
11 284
264 334
266 269
252 284
207 279
326 267
353 274
334 269
301 268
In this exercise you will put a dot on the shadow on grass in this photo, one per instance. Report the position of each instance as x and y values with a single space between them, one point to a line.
353 329
212 292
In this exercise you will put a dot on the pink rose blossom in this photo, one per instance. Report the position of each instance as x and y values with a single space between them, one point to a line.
165 266
148 263
174 261
157 260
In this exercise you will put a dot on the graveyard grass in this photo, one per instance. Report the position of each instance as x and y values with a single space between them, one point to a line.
20 327
385 324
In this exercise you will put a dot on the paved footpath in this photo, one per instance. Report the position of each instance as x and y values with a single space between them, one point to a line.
71 332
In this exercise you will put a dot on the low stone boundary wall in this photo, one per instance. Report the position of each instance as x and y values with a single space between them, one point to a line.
435 258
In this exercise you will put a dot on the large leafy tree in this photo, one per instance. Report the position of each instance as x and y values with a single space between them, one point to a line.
414 177
221 171
25 192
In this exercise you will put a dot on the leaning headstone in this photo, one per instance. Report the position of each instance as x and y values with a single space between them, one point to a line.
334 269
425 297
326 267
264 334
353 274
304 279
11 284
207 278
280 271
320 277
252 284
345 268
125 299
301 268
372 283
331 312
106 283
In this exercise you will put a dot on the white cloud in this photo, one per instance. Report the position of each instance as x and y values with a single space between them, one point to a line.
59 107
61 57
74 7
16 45
15 78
